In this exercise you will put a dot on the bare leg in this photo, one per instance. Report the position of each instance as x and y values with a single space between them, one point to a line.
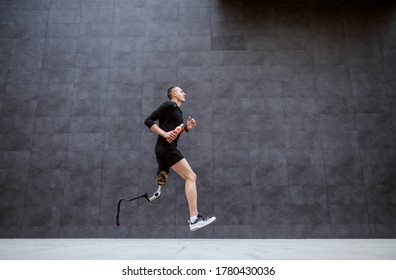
184 170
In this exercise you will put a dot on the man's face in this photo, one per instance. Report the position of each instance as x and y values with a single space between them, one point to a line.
179 94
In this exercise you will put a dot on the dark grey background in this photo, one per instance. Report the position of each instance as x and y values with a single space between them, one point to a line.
295 103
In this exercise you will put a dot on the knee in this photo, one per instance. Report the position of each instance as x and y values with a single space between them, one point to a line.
191 176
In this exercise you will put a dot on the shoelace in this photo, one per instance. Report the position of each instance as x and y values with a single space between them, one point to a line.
199 217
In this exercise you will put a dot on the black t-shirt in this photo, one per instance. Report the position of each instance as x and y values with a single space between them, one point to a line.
170 116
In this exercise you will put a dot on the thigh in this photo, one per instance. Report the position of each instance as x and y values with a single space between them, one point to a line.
162 167
183 169
167 158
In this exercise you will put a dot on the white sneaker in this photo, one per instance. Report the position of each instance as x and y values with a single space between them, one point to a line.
200 222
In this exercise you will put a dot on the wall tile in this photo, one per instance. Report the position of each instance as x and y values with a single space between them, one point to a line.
347 195
26 30
80 216
64 16
311 231
42 216
63 30
309 214
351 231
96 12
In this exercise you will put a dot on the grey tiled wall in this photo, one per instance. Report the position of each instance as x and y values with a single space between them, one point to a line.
295 103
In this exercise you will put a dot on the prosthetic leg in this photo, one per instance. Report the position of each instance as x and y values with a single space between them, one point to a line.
132 199
162 178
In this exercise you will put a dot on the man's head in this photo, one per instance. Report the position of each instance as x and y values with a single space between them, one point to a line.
170 92
176 94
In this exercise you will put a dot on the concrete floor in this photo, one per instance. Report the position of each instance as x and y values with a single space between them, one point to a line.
197 249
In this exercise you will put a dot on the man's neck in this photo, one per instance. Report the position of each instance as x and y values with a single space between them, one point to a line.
177 102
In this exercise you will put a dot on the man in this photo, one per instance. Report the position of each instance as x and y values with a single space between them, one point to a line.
169 157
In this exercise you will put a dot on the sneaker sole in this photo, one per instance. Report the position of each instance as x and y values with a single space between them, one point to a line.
204 224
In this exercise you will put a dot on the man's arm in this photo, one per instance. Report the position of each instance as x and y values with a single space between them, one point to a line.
155 115
157 130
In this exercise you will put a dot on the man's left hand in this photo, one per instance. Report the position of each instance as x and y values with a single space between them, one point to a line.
191 123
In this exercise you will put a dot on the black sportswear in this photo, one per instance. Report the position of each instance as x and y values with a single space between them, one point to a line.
169 116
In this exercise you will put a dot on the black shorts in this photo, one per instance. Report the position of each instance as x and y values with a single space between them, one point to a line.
167 157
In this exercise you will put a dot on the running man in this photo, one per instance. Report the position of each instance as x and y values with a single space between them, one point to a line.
169 157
